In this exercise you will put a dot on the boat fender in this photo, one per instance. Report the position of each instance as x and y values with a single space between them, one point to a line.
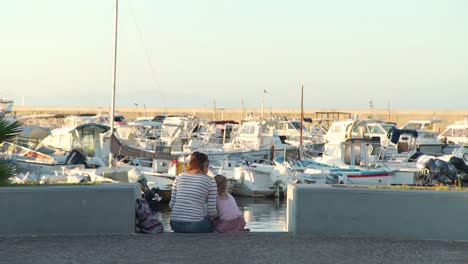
242 176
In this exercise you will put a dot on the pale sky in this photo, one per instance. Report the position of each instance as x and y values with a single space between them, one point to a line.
411 54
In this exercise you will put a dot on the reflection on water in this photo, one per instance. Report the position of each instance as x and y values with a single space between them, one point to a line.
262 215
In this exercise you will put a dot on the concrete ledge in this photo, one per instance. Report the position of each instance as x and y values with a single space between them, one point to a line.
327 210
74 209
255 247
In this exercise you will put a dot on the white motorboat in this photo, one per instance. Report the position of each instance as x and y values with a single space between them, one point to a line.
427 141
363 159
456 133
254 180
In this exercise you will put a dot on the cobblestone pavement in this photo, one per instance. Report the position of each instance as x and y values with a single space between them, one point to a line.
226 248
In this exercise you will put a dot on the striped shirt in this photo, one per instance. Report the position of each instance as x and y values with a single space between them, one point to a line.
193 197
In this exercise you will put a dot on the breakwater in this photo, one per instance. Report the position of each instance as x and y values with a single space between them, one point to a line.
398 116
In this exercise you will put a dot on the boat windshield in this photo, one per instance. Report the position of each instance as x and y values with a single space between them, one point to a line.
387 127
331 150
455 132
412 126
376 129
296 124
427 126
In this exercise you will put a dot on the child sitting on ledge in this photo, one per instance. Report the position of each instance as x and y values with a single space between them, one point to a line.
230 218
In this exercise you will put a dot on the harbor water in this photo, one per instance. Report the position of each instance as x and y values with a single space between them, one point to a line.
261 215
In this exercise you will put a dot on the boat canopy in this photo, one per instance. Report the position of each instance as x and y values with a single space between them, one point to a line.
394 134
98 127
34 132
223 122
119 148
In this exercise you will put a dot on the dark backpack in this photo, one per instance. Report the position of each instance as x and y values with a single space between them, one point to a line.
147 222
152 198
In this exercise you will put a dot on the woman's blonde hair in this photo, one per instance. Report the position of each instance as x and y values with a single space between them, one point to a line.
197 162
221 182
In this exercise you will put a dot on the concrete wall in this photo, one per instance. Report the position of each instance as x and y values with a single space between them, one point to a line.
326 210
74 209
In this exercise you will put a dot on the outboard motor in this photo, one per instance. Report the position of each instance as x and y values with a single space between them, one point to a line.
445 172
461 166
426 164
436 169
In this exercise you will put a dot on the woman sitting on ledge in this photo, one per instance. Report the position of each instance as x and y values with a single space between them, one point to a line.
193 200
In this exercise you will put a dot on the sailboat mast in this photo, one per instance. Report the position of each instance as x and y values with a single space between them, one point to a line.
114 75
214 109
263 103
302 114
242 109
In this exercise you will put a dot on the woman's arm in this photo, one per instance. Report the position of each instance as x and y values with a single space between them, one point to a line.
211 201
